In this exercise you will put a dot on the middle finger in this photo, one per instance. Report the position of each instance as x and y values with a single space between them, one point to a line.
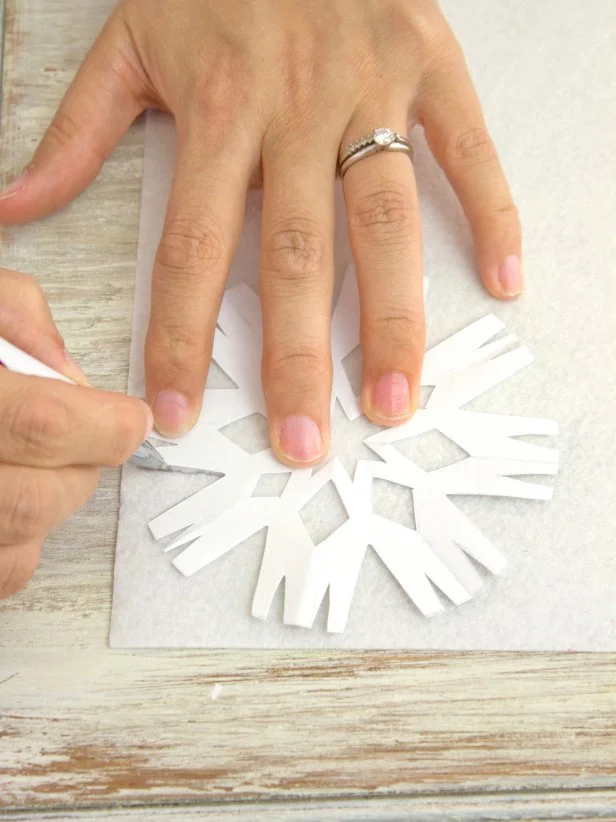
297 272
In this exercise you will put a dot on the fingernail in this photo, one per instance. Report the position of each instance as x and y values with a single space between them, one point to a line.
171 413
300 439
149 421
510 276
13 188
391 396
72 370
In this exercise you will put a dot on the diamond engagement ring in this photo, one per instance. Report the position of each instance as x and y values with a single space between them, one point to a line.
381 139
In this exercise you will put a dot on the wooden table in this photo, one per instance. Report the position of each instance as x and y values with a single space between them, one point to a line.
90 733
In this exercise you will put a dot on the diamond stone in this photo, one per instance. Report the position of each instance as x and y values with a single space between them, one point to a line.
383 136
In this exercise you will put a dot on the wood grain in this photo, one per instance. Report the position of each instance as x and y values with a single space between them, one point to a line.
365 736
468 808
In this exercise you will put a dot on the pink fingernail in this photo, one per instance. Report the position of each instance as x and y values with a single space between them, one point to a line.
391 396
300 439
171 413
510 276
15 187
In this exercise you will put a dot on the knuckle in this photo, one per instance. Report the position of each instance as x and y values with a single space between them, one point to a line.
26 507
127 434
433 32
385 214
303 64
397 329
222 89
40 425
123 63
17 565
173 345
191 246
473 147
295 249
426 30
507 213
65 130
22 301
298 366
31 293
91 484
419 37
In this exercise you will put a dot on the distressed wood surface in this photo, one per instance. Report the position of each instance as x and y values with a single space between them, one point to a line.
468 808
365 736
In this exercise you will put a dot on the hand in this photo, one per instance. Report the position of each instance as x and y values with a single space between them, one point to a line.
275 88
53 436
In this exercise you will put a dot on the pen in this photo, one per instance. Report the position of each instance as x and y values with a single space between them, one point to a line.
16 360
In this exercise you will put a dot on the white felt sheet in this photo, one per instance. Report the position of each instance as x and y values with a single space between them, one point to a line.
552 563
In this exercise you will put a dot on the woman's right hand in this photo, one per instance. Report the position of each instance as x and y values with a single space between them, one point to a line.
53 436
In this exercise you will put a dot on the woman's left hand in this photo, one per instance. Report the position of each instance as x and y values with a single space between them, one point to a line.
276 88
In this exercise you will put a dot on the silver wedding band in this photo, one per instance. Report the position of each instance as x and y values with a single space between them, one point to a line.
381 139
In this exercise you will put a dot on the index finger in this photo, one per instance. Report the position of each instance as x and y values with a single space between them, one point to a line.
49 424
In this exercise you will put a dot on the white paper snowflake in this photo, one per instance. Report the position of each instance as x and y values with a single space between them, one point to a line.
434 554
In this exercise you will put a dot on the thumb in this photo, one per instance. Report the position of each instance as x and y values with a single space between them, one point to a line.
98 108
26 321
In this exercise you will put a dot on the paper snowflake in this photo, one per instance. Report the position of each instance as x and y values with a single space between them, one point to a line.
431 555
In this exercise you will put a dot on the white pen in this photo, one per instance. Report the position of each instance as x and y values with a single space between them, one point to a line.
16 360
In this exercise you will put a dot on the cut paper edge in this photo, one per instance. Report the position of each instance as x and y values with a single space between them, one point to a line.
433 558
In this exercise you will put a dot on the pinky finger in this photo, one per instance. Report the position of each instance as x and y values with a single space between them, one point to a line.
451 114
17 566
33 500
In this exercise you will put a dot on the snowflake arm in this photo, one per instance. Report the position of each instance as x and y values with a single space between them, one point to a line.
433 555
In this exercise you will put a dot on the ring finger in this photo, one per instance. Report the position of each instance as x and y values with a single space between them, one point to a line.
385 234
